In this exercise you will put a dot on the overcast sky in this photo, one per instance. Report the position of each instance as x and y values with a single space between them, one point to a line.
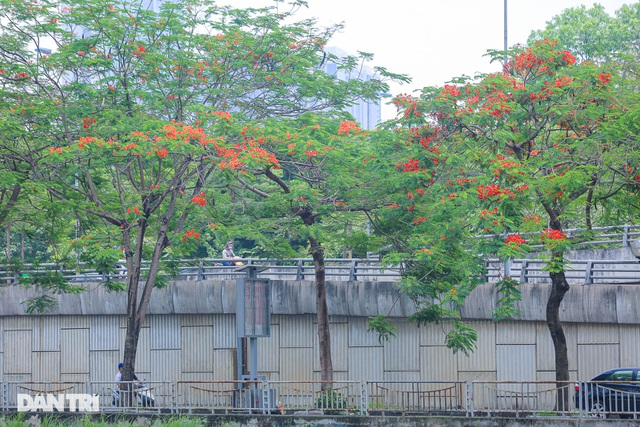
432 40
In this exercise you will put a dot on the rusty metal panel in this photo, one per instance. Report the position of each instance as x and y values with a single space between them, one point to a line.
105 331
74 322
359 336
166 364
104 364
46 333
17 352
516 362
166 332
366 363
296 364
437 363
483 357
269 351
402 352
74 351
515 333
197 343
297 331
46 365
224 331
596 358
339 347
18 323
629 345
224 365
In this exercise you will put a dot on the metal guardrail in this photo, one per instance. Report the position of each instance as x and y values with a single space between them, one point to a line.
358 269
520 399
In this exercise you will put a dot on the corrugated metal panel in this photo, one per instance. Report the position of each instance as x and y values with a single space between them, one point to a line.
197 345
516 362
629 345
17 377
166 364
165 332
402 353
197 319
2 364
599 334
105 333
477 376
339 347
1 337
224 365
516 333
359 336
46 333
18 323
269 351
74 322
296 364
596 358
297 331
365 363
46 365
483 358
431 334
79 378
104 364
17 352
437 363
145 324
224 331
143 356
74 351
400 376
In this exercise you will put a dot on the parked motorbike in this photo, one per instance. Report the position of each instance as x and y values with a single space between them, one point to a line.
143 398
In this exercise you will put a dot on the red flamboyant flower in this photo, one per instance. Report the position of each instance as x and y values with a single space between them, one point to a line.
604 78
550 234
346 127
87 122
199 199
163 152
487 191
190 235
568 57
515 239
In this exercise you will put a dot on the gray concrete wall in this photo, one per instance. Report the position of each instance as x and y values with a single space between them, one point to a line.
190 334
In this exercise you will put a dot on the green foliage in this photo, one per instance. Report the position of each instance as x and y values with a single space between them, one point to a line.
509 292
332 402
461 338
383 327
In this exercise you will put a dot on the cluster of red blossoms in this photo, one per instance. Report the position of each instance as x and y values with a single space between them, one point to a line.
190 234
199 199
516 239
553 234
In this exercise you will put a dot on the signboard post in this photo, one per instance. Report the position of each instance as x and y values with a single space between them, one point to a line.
253 315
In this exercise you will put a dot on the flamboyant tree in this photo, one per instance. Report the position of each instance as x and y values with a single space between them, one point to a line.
144 114
513 155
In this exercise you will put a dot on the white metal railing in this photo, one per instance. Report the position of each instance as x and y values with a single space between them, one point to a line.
359 269
519 399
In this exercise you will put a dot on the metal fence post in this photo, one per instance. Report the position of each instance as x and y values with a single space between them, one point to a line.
469 400
300 270
588 279
352 271
625 237
364 398
200 271
523 271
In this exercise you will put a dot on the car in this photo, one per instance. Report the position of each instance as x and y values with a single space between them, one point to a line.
613 392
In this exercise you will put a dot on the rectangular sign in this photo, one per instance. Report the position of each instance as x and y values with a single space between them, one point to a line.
255 310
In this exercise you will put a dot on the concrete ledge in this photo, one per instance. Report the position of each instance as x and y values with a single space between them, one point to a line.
584 303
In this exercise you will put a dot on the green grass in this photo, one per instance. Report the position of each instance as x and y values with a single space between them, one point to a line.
27 420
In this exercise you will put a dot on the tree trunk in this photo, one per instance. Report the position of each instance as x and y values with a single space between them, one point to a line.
324 335
559 287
